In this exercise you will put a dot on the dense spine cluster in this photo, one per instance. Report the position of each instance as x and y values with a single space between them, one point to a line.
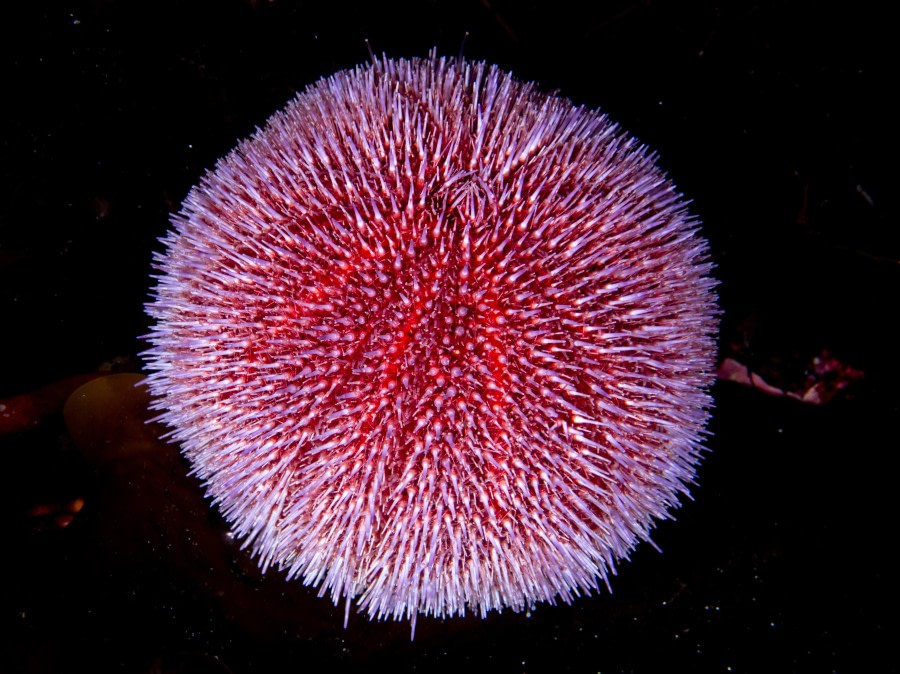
436 341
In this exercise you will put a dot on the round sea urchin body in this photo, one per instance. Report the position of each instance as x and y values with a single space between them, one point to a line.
436 341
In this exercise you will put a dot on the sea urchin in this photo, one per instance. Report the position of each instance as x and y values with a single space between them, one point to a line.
436 341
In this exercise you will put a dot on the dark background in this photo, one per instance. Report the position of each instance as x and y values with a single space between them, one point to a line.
777 121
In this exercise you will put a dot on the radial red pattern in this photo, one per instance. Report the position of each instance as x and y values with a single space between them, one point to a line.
436 341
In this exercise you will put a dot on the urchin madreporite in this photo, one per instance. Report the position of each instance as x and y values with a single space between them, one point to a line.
436 341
